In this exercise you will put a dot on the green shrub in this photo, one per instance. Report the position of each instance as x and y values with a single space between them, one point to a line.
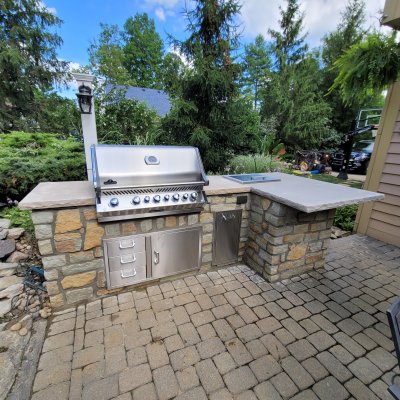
21 218
253 163
345 217
29 158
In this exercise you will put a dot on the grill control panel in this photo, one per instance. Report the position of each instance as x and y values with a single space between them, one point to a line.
119 205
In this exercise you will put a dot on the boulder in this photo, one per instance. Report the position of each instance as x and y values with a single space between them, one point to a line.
3 233
15 233
4 223
7 269
17 256
12 291
6 247
5 307
8 281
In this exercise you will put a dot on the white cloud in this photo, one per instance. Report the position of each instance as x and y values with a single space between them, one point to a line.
160 14
320 16
51 10
165 3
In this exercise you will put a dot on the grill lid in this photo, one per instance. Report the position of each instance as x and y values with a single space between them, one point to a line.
122 166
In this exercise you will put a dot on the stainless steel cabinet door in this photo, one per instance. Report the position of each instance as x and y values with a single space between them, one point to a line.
226 236
175 251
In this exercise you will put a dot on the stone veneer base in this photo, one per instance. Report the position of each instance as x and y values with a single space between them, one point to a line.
276 240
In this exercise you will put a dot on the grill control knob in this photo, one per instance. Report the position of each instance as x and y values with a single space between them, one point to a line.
114 202
136 200
166 197
194 195
146 199
157 198
185 196
176 196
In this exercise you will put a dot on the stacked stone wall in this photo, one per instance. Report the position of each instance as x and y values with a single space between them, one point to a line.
70 242
285 242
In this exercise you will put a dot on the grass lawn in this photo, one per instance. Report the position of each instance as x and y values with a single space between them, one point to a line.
333 179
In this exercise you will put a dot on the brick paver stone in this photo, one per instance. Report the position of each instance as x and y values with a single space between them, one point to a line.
161 331
93 338
284 385
188 334
137 356
240 379
265 367
334 366
201 318
223 329
297 373
157 355
165 382
321 340
103 389
365 370
210 347
209 376
184 358
187 378
248 332
224 363
59 391
268 325
147 392
88 356
115 359
266 390
382 359
359 390
51 376
238 352
330 388
55 357
133 377
197 393
57 341
302 349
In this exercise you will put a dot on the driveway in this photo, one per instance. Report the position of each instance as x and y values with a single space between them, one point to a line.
229 334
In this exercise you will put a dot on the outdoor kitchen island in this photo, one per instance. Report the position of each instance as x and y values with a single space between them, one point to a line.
280 229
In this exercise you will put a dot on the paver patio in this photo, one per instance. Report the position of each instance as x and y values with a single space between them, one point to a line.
230 334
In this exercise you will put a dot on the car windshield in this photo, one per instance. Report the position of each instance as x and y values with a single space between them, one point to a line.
363 146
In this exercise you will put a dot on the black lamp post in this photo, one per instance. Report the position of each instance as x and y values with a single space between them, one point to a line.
85 99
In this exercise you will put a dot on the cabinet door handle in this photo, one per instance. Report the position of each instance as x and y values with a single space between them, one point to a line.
129 275
156 257
129 261
127 247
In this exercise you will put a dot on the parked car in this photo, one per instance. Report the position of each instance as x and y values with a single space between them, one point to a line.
359 158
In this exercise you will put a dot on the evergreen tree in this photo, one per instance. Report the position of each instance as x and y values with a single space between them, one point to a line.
292 94
210 113
143 51
172 72
28 62
256 64
348 32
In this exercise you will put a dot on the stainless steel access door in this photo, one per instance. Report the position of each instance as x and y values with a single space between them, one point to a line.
226 237
175 251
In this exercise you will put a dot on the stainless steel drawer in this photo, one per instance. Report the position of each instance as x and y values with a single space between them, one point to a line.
125 261
125 245
127 276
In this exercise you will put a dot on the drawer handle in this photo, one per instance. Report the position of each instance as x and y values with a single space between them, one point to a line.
127 247
129 275
129 261
156 257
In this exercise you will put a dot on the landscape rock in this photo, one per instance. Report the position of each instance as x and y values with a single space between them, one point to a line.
5 307
7 374
6 247
3 233
23 332
7 281
15 233
7 269
337 233
4 223
16 327
17 256
12 291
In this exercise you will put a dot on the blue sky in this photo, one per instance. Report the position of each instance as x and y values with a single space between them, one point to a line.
82 19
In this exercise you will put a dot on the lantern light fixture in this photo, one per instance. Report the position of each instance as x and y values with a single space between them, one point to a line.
85 99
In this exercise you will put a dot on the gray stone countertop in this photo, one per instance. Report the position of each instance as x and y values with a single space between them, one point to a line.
301 193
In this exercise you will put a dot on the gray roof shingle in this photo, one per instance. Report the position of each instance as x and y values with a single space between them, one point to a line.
155 99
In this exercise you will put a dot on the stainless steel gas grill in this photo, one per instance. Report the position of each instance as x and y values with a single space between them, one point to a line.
147 181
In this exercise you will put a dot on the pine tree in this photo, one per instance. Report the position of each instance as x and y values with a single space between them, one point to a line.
292 94
256 64
210 114
28 61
